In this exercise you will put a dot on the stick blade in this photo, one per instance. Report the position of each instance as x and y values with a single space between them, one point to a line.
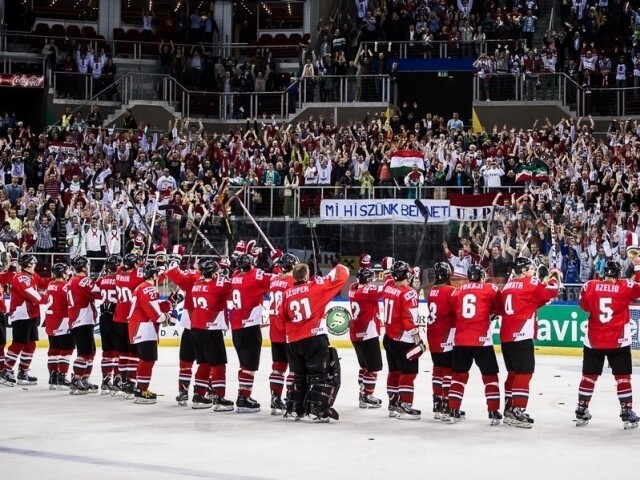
421 206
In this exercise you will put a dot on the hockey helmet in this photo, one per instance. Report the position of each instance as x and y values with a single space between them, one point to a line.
365 275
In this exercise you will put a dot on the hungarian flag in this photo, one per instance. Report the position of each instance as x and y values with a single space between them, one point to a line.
403 160
471 207
531 173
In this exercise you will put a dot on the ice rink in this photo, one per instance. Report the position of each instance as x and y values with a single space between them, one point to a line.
52 435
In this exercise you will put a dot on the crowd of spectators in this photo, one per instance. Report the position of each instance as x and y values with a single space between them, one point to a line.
584 209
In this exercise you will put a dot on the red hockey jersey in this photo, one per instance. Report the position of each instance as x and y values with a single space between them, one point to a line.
56 314
5 281
607 303
400 312
474 304
126 283
146 313
279 284
520 300
25 299
365 312
81 297
249 289
209 304
107 286
442 318
184 279
303 306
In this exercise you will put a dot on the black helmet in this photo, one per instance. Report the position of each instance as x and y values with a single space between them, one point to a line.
208 267
27 261
59 269
442 272
400 271
288 261
245 262
475 273
113 262
365 275
130 260
149 270
612 269
79 262
521 265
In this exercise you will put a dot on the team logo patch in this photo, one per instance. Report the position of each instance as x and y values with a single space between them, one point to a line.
338 319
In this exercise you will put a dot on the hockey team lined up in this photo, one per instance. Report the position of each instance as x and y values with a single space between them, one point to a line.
227 293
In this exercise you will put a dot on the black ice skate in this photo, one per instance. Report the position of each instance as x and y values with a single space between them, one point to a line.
277 405
394 405
200 402
517 417
25 379
247 405
145 398
107 387
78 387
367 400
91 387
221 404
53 380
495 418
629 418
7 378
63 382
183 398
582 416
407 412
456 416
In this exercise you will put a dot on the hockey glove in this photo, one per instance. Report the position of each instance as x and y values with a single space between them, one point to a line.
417 351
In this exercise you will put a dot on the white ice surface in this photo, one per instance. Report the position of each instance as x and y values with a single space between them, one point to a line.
51 435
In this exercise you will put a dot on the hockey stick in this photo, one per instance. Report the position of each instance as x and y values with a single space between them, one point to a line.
153 224
193 244
314 250
118 184
425 213
205 240
264 237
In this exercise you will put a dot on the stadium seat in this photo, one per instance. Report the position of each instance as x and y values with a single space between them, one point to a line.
88 32
73 31
58 31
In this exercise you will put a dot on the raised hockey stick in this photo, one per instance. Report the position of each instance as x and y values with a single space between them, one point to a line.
425 213
118 184
153 224
264 237
204 239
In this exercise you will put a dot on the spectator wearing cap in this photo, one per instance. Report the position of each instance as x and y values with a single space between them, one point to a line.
415 180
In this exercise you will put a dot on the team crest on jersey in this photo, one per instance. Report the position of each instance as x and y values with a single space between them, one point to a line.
338 319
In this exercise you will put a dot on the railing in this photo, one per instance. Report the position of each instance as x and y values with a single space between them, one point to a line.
13 62
559 87
440 49
137 49
306 200
233 105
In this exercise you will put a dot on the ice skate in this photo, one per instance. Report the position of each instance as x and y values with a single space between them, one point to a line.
456 416
63 382
107 387
369 401
247 405
182 398
78 387
277 406
7 378
438 408
629 418
582 416
116 387
25 379
145 398
200 402
53 381
517 417
407 412
221 404
91 387
128 390
393 406
495 417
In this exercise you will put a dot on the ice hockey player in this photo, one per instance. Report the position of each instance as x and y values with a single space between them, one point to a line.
107 285
61 344
364 330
